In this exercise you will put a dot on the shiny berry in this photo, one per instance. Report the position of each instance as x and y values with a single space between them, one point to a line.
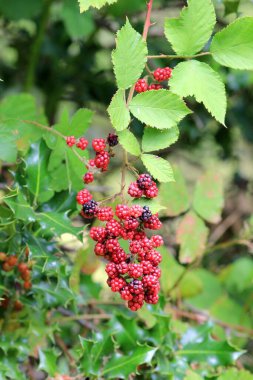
152 191
154 86
144 181
88 177
122 267
82 143
146 215
70 141
117 284
100 249
135 270
102 160
112 139
98 234
134 191
141 85
154 257
131 223
99 145
83 196
157 241
125 294
122 211
136 287
113 228
153 223
136 211
89 209
111 270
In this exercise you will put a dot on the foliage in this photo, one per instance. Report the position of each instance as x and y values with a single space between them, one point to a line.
69 324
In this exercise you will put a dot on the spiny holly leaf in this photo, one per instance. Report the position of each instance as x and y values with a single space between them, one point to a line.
129 57
191 235
154 139
174 195
159 108
129 142
194 78
118 112
21 208
208 198
86 4
189 33
123 366
48 359
38 180
235 374
210 351
126 332
159 168
58 224
233 45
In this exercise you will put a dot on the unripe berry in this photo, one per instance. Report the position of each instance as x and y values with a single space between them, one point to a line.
99 145
153 223
100 249
12 260
126 234
3 256
112 245
102 160
161 74
104 213
151 298
113 228
134 191
136 211
70 141
131 223
118 256
135 270
88 177
141 85
157 241
83 196
125 294
122 211
152 191
154 86
82 143
147 267
98 234
111 270
154 257
122 267
117 284
136 287
27 285
151 282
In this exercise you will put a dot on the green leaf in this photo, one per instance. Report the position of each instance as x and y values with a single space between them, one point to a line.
86 4
77 25
235 374
153 205
126 332
118 111
174 195
8 148
38 180
58 224
159 108
189 33
21 208
154 139
48 360
233 45
231 6
208 200
129 142
194 78
16 11
209 351
191 235
159 168
123 366
192 376
238 284
129 57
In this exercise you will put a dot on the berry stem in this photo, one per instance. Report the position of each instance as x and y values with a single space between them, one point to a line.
147 24
164 56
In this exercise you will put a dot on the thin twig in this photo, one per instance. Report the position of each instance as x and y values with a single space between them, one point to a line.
174 56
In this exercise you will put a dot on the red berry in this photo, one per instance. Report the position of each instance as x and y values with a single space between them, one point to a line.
157 272
112 245
91 164
105 213
139 235
111 270
136 211
82 143
117 284
154 86
136 287
157 241
99 145
100 249
88 177
83 196
122 211
161 74
135 247
141 85
154 257
131 223
134 191
12 260
134 306
147 267
118 256
151 282
122 267
70 140
126 294
152 191
98 234
135 270
102 160
113 228
151 297
146 244
144 181
153 223
126 234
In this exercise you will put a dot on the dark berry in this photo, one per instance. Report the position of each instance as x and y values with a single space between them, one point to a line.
112 139
144 181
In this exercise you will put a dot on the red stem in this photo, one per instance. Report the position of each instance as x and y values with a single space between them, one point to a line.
147 22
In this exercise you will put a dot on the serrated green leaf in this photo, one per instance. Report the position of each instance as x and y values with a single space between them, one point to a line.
174 196
233 45
159 168
129 56
129 142
159 108
235 374
208 199
48 359
118 111
123 366
189 33
194 78
191 235
154 139
58 224
86 4
38 180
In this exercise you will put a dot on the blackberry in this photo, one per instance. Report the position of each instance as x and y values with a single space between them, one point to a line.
146 215
89 209
112 139
144 181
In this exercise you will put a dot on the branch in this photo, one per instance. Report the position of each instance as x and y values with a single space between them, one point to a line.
148 21
163 56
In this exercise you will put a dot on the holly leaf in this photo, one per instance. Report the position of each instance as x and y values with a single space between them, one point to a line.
159 108
191 235
58 224
208 199
129 142
154 139
38 180
118 111
48 360
233 45
129 57
123 366
20 207
159 168
174 196
189 33
86 4
194 78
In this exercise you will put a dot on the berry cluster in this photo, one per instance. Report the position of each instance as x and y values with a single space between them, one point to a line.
134 274
160 75
22 271
102 158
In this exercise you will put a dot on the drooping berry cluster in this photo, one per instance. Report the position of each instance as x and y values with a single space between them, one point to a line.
160 75
143 186
102 158
22 277
134 274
